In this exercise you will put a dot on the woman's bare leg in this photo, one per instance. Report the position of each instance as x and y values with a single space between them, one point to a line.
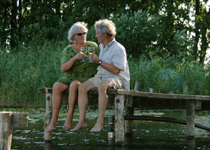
58 88
73 93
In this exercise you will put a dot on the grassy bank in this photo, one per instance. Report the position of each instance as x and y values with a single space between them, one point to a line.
32 67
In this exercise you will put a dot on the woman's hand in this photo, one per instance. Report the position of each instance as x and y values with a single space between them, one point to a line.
80 56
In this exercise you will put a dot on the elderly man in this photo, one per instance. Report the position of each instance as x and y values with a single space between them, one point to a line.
113 73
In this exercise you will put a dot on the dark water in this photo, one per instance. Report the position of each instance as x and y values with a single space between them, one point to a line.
147 135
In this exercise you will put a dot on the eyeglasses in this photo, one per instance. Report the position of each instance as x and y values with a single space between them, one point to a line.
80 34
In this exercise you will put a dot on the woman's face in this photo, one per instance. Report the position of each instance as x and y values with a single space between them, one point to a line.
80 36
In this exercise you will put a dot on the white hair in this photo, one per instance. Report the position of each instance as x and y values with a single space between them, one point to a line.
74 30
106 26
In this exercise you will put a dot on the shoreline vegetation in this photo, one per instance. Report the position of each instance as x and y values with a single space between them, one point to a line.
166 43
32 67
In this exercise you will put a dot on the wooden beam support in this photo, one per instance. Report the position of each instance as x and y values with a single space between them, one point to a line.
190 117
7 121
48 116
130 111
5 130
119 118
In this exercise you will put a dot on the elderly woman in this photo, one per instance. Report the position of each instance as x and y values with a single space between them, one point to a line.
75 72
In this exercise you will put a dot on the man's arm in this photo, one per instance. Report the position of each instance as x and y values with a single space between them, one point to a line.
108 67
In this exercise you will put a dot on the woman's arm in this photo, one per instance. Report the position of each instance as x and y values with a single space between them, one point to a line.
66 66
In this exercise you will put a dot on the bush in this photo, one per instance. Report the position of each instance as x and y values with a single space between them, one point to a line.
137 32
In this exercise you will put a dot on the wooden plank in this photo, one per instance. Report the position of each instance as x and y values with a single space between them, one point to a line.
159 95
144 94
45 90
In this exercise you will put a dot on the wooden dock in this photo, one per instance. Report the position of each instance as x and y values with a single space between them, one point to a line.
8 120
130 99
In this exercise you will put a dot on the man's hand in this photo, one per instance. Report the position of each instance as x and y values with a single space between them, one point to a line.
109 67
94 58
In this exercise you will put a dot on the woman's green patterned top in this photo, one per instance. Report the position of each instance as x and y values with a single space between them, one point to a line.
81 71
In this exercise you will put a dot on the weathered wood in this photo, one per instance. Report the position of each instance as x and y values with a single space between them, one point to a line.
150 90
45 90
144 99
119 118
137 85
20 119
198 105
190 145
190 117
162 96
7 121
48 116
185 88
130 111
147 95
5 130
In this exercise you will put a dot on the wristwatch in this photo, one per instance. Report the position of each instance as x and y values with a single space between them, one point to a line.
99 62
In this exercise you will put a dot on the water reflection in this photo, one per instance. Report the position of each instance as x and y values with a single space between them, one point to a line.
190 144
146 134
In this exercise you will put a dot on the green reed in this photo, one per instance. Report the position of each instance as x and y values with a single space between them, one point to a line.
34 66
169 75
28 69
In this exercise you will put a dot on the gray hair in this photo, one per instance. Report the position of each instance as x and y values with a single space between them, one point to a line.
74 30
106 26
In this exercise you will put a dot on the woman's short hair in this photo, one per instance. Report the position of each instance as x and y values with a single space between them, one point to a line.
106 26
75 29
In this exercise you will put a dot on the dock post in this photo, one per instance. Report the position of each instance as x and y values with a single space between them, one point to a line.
7 121
190 114
198 104
119 118
130 111
5 130
48 116
190 117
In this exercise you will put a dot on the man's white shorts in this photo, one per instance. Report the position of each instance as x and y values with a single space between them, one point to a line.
116 83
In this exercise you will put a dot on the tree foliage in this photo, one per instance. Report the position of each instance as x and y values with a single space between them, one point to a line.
163 28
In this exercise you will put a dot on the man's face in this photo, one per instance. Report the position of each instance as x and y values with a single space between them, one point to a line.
100 37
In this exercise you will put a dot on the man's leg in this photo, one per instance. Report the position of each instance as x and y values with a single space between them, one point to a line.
83 102
72 98
102 104
58 88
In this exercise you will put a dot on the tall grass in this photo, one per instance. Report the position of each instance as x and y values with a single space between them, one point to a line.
169 75
32 67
